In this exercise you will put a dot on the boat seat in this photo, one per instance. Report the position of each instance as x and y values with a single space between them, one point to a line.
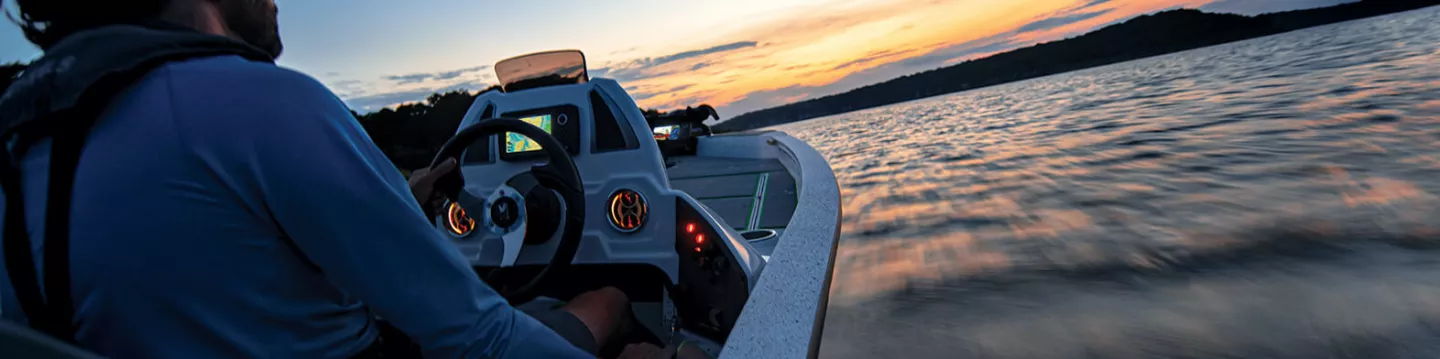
22 342
684 127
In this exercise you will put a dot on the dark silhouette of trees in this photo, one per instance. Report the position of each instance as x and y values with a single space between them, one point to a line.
411 134
1140 37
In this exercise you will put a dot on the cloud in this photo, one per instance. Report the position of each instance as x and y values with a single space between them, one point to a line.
409 79
392 90
1058 21
624 51
443 75
346 84
870 57
346 88
649 67
456 73
694 53
830 48
641 94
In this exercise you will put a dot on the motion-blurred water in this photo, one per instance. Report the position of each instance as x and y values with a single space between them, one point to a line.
1273 198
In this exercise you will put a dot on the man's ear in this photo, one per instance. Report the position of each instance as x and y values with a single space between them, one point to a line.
201 15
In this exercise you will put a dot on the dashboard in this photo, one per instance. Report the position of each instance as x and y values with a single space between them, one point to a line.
637 227
713 286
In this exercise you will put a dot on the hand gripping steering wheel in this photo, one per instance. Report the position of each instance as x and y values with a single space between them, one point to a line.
505 208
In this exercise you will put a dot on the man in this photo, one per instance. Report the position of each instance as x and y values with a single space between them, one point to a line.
224 207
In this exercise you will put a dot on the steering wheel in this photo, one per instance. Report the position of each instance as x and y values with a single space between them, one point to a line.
508 205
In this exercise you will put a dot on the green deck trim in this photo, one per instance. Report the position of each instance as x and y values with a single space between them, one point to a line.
757 207
673 179
725 197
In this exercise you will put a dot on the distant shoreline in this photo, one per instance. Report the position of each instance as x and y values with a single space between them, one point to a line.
1137 38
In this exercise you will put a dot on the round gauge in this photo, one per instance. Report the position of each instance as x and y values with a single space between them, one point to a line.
626 210
456 221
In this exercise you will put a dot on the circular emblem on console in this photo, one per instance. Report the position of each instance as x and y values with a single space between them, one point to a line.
627 210
457 221
505 212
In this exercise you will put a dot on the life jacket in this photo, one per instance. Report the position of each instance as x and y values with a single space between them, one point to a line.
61 96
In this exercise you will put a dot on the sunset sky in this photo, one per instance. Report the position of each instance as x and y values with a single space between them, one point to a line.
739 55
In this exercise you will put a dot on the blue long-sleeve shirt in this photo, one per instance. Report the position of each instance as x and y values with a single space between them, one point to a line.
227 208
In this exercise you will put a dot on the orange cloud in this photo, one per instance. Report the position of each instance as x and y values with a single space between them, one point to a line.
818 50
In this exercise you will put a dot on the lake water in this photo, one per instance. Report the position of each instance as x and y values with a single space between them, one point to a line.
1272 198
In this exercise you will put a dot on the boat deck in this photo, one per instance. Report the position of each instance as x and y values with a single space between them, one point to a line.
749 194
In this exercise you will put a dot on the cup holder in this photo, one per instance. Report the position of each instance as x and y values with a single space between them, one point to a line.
758 235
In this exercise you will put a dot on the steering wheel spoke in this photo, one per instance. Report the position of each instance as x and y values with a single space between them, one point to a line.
472 202
506 217
550 176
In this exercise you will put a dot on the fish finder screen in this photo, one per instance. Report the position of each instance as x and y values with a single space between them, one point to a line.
515 142
664 133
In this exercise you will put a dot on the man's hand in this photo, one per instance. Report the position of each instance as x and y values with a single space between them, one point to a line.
423 182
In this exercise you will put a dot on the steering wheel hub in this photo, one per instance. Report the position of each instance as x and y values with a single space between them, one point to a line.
507 211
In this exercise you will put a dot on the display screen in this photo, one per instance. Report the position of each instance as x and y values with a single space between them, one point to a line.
515 142
663 133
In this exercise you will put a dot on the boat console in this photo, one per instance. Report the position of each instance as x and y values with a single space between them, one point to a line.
566 190
725 241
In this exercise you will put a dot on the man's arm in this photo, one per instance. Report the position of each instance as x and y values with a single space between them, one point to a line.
347 208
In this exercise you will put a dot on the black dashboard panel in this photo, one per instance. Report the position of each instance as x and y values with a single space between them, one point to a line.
713 288
565 126
609 136
479 152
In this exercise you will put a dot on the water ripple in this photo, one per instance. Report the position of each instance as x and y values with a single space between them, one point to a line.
1268 198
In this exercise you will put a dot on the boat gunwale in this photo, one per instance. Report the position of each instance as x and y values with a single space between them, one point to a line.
785 314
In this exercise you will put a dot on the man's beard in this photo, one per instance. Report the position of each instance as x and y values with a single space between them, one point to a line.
255 22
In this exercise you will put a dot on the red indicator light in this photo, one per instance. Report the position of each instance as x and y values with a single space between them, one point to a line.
697 249
700 239
689 228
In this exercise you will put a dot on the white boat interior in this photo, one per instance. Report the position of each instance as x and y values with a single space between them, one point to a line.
723 240
726 241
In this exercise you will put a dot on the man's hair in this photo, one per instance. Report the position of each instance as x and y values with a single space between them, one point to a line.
45 22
